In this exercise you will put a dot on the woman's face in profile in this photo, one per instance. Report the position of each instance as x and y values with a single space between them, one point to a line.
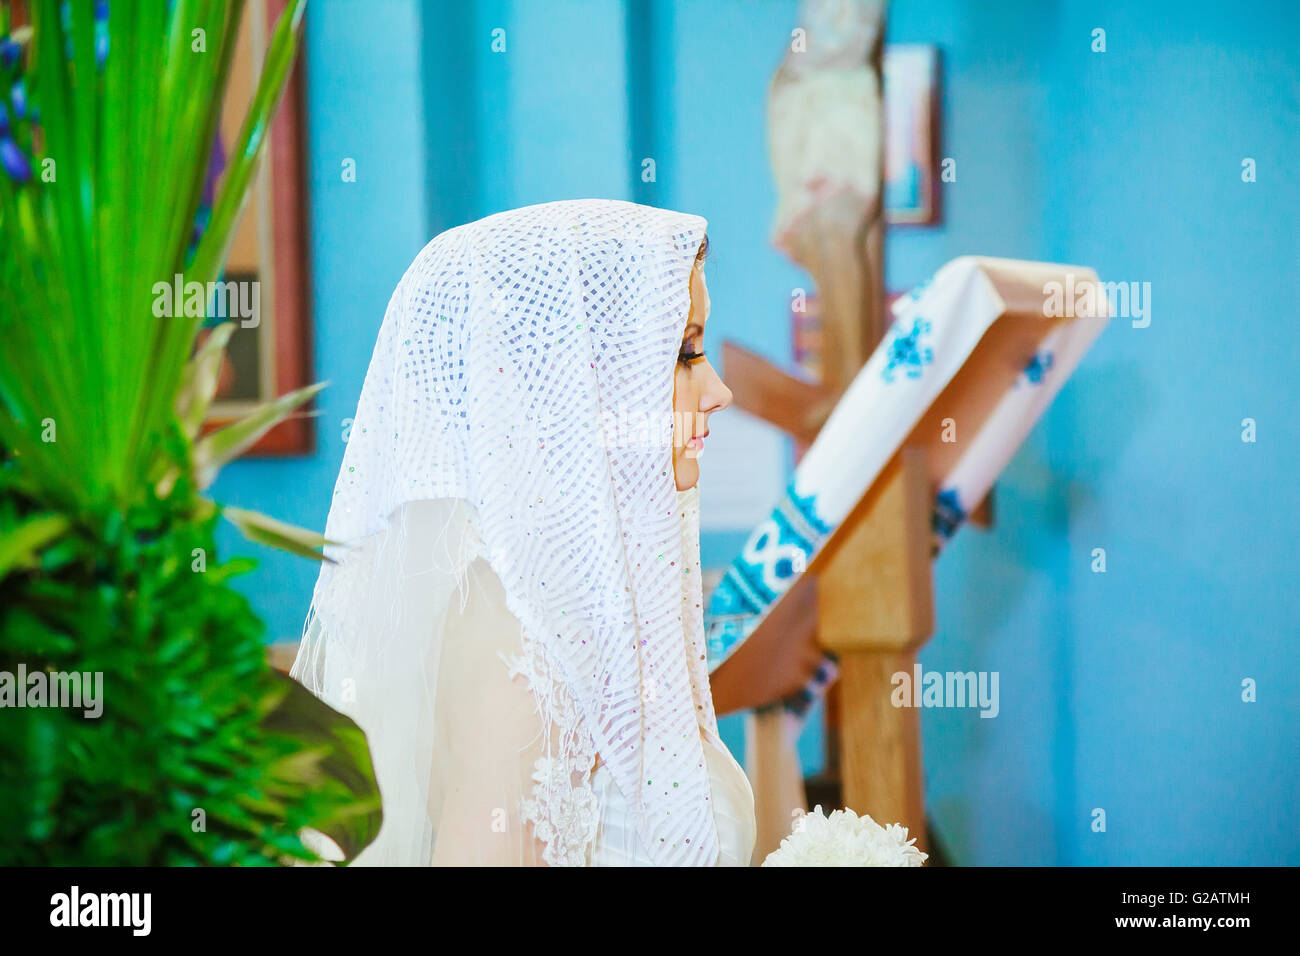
698 391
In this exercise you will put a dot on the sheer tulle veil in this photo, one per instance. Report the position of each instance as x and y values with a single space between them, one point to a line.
516 586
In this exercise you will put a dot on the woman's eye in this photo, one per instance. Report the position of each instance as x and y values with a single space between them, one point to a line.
689 358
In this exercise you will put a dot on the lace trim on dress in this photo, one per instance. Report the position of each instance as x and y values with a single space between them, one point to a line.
562 808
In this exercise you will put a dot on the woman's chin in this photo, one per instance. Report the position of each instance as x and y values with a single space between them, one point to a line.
686 473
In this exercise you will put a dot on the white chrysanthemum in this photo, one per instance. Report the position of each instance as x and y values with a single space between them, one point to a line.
845 839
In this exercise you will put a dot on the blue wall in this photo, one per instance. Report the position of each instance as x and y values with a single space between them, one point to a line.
364 103
1119 691
1122 690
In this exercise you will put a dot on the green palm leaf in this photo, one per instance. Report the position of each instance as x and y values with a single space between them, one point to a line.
199 384
104 216
19 545
214 450
104 538
277 534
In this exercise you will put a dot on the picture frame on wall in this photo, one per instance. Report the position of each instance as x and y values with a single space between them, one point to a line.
806 328
270 355
912 77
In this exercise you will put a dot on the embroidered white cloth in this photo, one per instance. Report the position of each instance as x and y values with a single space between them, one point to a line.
973 358
494 423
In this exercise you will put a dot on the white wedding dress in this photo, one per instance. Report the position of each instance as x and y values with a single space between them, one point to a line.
474 681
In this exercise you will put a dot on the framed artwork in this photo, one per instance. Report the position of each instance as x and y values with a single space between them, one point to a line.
912 76
807 347
269 354
807 328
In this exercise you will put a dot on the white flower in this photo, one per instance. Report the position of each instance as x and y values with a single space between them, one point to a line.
845 839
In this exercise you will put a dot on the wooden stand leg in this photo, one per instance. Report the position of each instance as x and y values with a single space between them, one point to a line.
880 752
875 610
772 763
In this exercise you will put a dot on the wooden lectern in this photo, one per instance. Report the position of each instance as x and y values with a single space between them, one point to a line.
866 596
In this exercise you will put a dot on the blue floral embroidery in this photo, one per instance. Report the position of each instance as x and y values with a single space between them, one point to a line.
948 514
1038 366
907 352
776 552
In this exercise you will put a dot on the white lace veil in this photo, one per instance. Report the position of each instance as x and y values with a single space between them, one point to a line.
507 494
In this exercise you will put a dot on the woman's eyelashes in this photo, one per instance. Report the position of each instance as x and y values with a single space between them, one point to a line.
689 358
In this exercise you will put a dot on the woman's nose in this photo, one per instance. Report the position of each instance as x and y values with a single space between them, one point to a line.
716 396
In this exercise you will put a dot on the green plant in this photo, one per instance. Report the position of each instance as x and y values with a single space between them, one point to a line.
203 753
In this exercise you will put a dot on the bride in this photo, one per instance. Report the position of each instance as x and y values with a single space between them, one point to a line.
514 612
